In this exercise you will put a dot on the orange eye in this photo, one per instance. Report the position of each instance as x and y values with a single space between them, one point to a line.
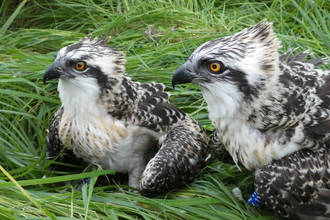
80 65
215 67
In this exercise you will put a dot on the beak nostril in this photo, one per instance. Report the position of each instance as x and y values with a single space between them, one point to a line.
181 76
59 69
54 71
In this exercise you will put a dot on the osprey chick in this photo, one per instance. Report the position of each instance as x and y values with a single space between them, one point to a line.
272 113
108 119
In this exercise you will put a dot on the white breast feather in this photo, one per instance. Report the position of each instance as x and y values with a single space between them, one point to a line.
246 144
243 141
89 127
217 95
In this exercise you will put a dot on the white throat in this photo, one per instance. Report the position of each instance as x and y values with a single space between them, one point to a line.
79 96
222 99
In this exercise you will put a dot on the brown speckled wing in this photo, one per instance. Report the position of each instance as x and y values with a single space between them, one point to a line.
182 155
154 110
183 152
54 144
219 149
297 186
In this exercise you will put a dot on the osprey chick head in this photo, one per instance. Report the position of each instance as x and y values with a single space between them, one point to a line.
89 72
89 58
233 68
241 77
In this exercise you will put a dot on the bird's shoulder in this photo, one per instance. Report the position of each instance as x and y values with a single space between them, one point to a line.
302 102
297 71
154 111
307 92
153 93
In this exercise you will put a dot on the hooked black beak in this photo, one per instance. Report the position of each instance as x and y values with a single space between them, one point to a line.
54 71
181 76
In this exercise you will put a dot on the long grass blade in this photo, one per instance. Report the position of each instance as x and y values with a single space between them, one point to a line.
11 18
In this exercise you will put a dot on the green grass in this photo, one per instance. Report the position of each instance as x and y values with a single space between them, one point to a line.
157 36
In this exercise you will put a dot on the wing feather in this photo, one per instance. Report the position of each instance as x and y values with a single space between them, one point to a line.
182 155
54 144
297 186
219 149
154 110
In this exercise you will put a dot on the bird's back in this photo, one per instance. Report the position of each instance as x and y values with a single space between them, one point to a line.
154 110
307 94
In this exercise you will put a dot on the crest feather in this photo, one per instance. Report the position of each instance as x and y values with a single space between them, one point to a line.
95 41
263 45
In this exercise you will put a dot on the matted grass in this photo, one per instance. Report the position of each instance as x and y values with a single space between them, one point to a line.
157 36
